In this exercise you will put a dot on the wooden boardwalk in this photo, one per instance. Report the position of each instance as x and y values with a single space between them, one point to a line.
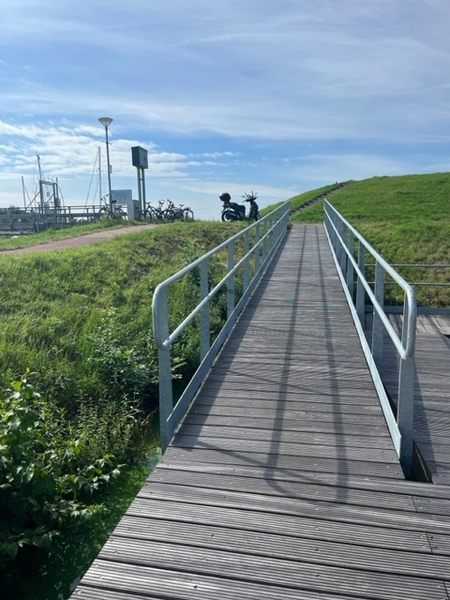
282 482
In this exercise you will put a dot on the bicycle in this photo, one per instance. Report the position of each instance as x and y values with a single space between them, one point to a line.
173 213
155 213
188 213
111 211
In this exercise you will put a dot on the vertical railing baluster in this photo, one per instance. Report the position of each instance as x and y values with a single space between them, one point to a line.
377 325
360 292
205 334
350 269
257 251
165 371
405 406
231 280
247 259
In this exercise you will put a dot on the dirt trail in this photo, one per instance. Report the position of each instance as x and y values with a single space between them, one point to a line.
81 240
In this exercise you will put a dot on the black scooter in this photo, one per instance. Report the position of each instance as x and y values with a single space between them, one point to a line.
231 211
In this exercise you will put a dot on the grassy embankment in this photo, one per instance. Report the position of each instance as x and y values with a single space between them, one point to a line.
406 219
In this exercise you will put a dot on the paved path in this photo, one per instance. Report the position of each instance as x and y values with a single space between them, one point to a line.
81 240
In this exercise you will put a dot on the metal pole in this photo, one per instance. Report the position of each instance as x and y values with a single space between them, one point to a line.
106 122
109 166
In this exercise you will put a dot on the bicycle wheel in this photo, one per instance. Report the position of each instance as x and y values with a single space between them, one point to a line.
169 215
188 215
119 213
104 213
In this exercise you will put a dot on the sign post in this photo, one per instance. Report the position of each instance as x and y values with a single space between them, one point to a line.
139 158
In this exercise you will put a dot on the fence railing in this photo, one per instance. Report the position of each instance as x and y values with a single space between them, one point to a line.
350 250
259 241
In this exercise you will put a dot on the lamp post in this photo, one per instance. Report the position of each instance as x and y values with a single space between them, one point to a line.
106 122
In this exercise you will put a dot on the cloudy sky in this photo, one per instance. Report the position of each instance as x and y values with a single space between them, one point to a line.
276 96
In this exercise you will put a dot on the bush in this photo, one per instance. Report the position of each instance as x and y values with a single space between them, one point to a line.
45 477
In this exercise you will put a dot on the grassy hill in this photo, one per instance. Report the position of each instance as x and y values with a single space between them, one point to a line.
406 219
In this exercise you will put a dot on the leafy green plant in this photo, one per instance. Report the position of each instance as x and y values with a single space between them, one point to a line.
44 479
120 366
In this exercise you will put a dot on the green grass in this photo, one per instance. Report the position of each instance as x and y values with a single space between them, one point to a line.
51 302
406 219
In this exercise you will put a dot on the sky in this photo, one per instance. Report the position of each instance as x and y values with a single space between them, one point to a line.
278 97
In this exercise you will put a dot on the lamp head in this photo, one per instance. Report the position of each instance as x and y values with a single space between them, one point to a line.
105 121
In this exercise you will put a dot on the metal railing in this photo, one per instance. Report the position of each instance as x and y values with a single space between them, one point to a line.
349 250
260 240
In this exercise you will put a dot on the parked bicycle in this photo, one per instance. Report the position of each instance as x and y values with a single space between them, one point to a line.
178 213
232 211
111 211
155 213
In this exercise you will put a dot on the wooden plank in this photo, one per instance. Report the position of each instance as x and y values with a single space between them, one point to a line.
270 486
342 465
188 540
300 449
128 582
414 488
202 433
339 511
283 523
207 422
261 572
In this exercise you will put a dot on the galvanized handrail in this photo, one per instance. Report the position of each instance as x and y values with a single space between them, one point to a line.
260 241
350 259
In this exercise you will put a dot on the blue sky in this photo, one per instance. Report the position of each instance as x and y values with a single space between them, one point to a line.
279 96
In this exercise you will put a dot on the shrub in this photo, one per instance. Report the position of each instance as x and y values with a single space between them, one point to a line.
45 478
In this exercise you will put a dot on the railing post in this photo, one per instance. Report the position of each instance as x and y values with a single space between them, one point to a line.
342 253
205 335
231 281
377 325
264 244
247 259
405 407
350 270
257 251
360 292
165 372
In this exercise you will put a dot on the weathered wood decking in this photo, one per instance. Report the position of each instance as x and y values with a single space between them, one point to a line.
282 482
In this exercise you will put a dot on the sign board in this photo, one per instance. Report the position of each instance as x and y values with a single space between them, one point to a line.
121 196
139 157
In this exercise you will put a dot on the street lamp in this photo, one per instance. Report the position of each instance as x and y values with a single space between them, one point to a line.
106 122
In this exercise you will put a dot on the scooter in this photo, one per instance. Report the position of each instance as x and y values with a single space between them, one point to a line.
231 211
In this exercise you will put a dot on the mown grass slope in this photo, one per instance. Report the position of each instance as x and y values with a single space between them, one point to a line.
406 219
